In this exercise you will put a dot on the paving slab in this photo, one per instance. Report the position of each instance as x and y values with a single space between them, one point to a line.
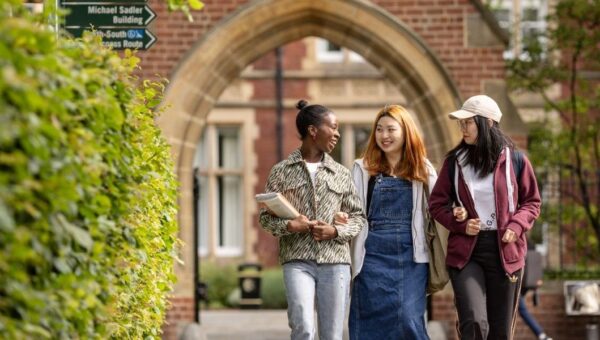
233 324
245 324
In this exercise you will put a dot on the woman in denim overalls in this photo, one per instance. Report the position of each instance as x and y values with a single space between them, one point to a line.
390 256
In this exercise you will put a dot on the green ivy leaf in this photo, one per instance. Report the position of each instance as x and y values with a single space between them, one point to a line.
7 223
80 235
196 4
61 265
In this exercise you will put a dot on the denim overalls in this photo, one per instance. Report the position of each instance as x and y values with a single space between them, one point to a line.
388 296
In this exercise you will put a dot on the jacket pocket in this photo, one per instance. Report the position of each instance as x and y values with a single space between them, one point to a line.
297 193
335 187
514 251
454 241
293 185
334 196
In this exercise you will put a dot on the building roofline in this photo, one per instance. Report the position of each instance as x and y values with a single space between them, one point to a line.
490 19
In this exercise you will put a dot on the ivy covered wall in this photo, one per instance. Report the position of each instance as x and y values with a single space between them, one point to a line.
87 189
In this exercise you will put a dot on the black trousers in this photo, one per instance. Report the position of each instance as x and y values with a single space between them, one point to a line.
485 296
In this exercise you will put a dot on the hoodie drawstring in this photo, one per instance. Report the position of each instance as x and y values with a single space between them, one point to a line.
509 186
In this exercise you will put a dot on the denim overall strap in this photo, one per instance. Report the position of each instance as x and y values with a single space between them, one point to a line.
391 204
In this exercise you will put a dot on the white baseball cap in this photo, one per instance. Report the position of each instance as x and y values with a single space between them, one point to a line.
480 105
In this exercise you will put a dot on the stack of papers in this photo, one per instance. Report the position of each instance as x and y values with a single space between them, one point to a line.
278 204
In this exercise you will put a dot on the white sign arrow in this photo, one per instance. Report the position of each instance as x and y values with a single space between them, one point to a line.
152 15
152 39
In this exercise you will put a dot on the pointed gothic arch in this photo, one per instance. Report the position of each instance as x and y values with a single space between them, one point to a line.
259 27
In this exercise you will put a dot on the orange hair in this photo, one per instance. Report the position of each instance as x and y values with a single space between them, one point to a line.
412 162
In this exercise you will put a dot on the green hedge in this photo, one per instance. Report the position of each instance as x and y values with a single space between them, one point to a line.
223 286
87 191
220 281
572 274
273 289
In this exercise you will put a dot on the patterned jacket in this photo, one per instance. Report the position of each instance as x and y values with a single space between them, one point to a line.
333 192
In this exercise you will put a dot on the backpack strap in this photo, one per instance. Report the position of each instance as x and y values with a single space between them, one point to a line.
451 173
517 160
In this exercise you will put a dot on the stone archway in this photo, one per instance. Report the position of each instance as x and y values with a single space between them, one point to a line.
259 27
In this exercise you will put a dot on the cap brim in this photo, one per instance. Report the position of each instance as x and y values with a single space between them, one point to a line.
461 114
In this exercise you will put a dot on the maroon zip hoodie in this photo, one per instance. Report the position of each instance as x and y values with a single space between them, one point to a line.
527 209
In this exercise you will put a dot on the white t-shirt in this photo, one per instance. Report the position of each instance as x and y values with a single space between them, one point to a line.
482 192
312 170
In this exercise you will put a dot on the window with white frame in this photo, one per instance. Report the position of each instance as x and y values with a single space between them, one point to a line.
219 174
522 19
328 52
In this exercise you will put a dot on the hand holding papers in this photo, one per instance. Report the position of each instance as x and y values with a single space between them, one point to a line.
278 204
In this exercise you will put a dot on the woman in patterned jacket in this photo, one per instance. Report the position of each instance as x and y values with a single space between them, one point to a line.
315 251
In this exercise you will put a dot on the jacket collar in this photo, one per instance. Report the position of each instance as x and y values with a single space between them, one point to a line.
296 157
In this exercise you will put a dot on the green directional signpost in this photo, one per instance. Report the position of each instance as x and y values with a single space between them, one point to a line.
121 38
121 24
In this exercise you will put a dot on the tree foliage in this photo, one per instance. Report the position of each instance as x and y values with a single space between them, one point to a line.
87 190
571 54
185 6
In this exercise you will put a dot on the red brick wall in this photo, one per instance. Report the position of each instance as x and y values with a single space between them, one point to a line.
176 35
520 141
292 54
182 310
550 314
440 23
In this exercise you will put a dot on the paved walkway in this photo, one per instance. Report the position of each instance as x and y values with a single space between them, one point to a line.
244 324
233 324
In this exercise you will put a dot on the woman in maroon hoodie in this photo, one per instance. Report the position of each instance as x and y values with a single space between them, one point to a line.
486 249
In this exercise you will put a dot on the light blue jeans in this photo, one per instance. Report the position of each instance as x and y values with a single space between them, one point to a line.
329 284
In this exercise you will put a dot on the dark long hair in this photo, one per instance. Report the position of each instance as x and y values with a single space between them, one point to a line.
484 154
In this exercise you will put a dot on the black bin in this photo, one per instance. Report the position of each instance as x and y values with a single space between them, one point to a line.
249 281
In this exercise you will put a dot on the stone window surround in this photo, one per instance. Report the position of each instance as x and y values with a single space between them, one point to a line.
244 118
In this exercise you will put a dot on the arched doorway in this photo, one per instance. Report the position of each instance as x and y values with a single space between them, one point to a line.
257 28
